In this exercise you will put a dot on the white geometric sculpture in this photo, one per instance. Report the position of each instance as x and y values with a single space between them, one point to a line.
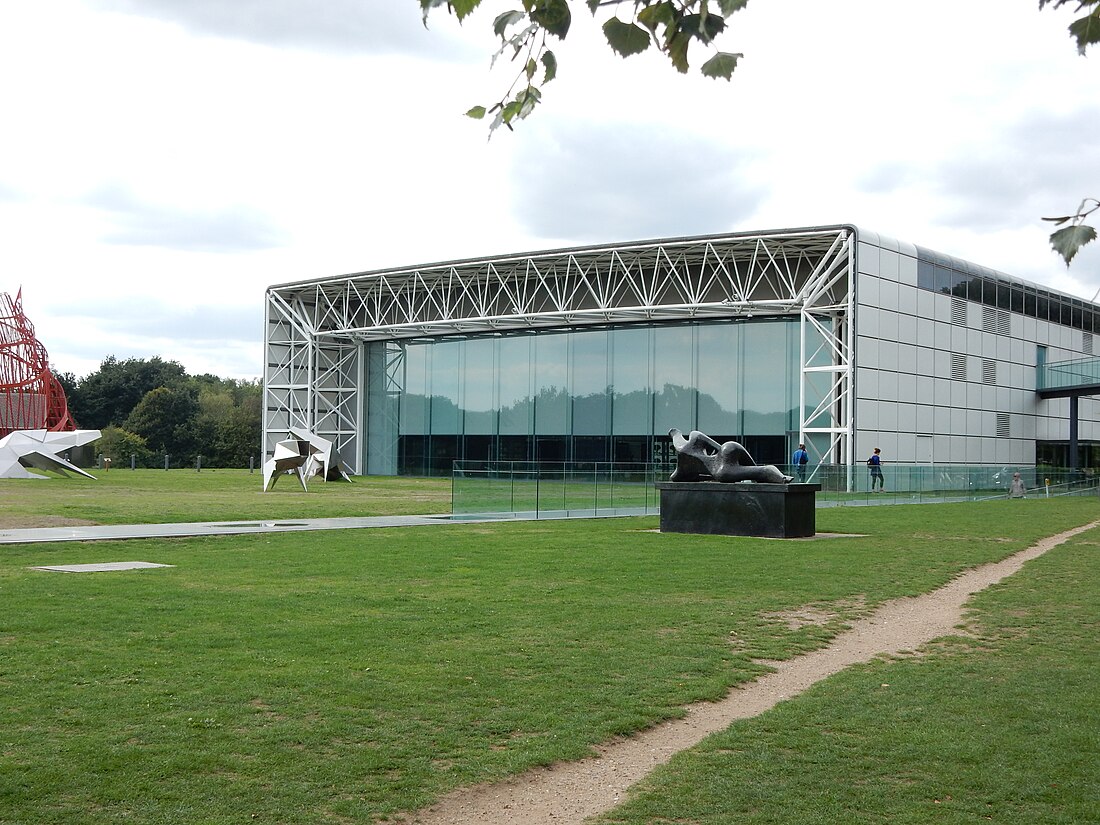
306 455
20 449
322 459
289 457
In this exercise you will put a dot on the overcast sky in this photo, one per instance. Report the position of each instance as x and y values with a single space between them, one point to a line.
163 161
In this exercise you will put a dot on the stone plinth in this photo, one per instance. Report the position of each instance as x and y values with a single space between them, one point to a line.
741 509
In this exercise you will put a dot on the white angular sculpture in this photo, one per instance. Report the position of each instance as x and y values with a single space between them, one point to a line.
323 460
289 457
306 455
39 449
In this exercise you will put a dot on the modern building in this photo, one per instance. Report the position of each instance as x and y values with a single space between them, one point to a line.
833 336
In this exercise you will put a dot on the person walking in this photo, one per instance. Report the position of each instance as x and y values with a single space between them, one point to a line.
1017 489
800 460
875 463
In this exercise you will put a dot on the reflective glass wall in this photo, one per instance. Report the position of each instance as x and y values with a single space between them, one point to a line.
608 394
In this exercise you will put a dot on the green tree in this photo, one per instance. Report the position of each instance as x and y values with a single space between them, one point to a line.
227 426
119 444
107 396
165 418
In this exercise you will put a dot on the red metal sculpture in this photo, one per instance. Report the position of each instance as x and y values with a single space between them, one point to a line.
31 397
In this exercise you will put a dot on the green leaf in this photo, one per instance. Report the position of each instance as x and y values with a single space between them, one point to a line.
653 16
552 15
463 8
503 21
1086 30
550 65
510 111
1066 242
676 47
427 5
626 38
527 100
728 7
477 112
721 65
704 27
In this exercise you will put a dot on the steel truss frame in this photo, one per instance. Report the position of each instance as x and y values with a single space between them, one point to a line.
315 376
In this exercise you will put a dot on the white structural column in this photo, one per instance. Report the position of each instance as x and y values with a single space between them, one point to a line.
314 378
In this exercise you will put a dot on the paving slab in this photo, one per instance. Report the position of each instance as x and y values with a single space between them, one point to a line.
101 567
112 532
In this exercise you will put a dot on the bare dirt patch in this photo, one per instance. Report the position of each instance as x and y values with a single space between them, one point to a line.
569 793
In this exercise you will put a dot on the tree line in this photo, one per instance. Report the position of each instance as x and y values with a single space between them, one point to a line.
149 408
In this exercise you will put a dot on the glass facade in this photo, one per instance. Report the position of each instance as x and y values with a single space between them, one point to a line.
590 394
953 276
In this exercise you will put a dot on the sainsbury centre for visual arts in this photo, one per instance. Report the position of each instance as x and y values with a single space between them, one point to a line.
835 336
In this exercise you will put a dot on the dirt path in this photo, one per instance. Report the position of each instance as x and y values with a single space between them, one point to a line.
571 792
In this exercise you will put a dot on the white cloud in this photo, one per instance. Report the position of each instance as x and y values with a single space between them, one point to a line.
169 160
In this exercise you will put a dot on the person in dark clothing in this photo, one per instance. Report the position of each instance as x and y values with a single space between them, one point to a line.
800 460
875 463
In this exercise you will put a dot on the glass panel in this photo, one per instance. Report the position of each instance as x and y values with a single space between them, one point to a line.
478 377
412 455
989 292
818 384
719 400
959 284
926 275
1017 299
765 366
443 453
1042 311
551 388
974 290
632 403
385 368
414 402
945 280
514 388
446 361
515 447
591 399
674 379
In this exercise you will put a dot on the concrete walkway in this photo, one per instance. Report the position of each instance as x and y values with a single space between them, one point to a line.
111 532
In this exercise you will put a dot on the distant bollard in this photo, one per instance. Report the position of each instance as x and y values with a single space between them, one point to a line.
1047 486
133 461
251 463
166 461
198 464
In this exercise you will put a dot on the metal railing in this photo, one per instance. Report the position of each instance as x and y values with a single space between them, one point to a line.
558 489
1062 375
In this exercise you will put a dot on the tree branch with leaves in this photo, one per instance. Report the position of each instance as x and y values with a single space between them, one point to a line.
1068 240
673 27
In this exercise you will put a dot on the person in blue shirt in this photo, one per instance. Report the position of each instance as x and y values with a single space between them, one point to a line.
875 463
800 460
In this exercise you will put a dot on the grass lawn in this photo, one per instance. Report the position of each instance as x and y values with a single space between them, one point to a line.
348 675
1002 725
125 496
